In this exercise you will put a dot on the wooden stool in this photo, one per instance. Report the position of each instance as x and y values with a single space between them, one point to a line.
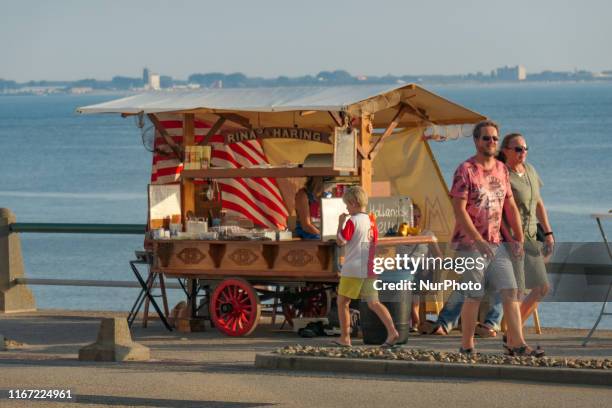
536 322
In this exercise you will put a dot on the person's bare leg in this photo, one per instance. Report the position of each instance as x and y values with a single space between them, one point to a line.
414 311
469 314
512 315
531 301
385 317
344 315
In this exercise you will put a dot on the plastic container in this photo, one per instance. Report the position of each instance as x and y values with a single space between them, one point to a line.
397 301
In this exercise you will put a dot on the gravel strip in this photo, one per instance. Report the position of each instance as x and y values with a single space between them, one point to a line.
410 354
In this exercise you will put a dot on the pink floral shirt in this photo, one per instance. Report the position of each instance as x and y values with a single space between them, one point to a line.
485 192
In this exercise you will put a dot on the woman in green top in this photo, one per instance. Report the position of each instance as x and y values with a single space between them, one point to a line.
526 185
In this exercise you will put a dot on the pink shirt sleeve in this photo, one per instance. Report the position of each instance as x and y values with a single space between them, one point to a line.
461 184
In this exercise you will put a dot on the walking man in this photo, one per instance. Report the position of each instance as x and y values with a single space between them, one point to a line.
480 194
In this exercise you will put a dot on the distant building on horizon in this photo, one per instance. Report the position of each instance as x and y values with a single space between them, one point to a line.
154 82
516 73
145 76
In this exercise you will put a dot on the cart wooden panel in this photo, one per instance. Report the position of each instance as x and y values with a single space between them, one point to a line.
293 260
282 260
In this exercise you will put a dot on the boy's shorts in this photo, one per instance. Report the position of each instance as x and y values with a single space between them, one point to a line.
357 288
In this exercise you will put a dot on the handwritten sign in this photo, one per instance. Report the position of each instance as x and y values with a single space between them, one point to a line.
390 212
345 149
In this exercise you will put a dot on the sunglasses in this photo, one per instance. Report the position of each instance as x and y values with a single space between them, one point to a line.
489 138
519 149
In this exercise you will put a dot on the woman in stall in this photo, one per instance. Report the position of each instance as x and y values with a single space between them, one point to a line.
308 209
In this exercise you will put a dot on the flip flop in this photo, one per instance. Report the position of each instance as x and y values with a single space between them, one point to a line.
387 345
335 343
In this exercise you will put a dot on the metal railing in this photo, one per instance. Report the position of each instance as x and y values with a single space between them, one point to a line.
71 228
66 228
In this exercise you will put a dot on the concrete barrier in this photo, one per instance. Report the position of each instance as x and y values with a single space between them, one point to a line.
114 343
13 297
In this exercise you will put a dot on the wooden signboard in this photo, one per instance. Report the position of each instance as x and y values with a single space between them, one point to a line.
277 133
345 149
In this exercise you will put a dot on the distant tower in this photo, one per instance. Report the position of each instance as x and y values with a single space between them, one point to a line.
522 73
145 75
154 82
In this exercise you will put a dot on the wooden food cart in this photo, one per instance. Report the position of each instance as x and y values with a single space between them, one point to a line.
261 142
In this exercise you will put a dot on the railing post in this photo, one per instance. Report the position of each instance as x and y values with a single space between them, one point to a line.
13 298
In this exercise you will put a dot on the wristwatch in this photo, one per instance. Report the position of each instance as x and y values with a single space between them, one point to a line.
548 233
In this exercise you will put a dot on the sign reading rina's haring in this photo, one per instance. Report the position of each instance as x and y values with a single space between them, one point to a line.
278 133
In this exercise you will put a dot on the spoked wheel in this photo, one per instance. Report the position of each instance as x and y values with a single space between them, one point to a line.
311 300
234 307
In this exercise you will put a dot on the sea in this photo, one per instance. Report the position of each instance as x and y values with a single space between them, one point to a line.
60 166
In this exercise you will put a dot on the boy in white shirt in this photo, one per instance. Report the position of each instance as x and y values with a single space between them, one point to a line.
356 277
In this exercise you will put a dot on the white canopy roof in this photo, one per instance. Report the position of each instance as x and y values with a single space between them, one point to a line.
354 100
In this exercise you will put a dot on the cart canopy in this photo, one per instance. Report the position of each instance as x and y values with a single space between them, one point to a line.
298 106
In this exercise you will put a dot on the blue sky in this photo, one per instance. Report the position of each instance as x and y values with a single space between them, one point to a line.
65 39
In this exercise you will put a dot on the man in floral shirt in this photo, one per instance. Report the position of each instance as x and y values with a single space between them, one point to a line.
481 194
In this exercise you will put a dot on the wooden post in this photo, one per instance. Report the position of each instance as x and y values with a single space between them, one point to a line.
365 166
187 187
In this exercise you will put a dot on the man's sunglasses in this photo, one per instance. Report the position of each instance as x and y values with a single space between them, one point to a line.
489 138
519 149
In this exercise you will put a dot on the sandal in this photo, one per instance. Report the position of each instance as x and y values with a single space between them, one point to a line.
430 327
467 352
483 331
336 343
387 345
526 351
507 349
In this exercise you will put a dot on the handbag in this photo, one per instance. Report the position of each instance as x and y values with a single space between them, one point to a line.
540 233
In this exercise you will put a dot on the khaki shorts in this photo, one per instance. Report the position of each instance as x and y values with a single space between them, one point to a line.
357 288
498 274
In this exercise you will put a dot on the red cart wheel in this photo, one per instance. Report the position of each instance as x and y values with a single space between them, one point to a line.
314 305
234 307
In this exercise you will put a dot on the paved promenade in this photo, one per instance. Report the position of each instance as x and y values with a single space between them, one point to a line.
208 369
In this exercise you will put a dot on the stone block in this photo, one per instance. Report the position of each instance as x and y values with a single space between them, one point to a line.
114 343
13 298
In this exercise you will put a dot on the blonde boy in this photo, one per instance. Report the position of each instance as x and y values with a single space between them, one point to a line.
359 235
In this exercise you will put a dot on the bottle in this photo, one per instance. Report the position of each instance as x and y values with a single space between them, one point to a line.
406 204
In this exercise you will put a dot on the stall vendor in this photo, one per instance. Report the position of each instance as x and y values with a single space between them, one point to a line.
308 209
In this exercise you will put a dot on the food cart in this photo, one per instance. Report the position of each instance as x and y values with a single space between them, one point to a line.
253 149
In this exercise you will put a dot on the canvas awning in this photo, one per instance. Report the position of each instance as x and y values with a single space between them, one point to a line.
307 107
